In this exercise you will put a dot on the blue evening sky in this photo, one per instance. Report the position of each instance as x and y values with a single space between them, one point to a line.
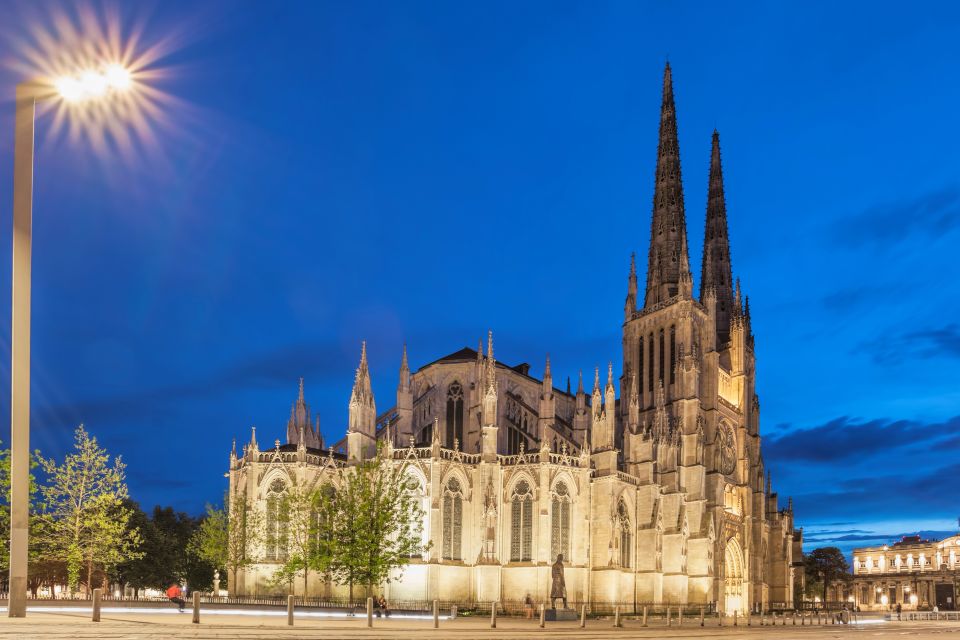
331 172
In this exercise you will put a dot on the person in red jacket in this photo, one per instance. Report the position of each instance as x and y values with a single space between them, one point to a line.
173 595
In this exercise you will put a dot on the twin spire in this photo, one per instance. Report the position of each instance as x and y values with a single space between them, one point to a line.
668 261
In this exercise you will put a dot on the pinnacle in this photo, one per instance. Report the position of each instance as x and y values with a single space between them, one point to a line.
546 369
668 259
580 383
596 380
610 375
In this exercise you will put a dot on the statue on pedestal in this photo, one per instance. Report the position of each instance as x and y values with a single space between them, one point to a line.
558 588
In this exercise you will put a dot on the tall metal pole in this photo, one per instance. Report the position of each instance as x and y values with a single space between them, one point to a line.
20 349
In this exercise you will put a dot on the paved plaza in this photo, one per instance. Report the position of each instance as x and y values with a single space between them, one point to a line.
154 625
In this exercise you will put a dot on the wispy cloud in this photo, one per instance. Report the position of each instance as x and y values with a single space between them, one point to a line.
845 438
888 225
932 342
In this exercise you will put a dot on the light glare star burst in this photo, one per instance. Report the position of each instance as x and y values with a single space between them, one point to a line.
98 82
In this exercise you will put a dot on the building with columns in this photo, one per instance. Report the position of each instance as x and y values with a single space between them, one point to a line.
914 573
650 483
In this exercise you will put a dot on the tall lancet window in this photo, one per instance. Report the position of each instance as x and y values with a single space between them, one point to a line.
276 538
626 535
560 520
640 365
521 523
452 521
455 414
673 354
650 369
662 354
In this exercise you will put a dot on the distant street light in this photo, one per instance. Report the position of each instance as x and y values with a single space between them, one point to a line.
86 85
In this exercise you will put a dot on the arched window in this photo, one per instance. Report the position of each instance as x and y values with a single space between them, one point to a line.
276 538
321 515
560 530
662 356
640 366
521 523
650 369
673 354
626 536
452 521
455 414
415 489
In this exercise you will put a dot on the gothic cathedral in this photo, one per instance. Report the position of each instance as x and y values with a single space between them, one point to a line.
658 497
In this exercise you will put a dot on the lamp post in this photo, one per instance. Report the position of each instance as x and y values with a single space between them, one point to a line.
88 85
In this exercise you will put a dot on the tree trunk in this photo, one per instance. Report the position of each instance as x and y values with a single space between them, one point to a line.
306 574
351 593
90 577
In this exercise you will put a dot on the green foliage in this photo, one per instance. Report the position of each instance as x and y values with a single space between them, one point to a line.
35 522
297 515
372 523
825 566
165 547
84 511
226 538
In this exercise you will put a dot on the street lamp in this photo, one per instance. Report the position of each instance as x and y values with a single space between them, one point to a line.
86 85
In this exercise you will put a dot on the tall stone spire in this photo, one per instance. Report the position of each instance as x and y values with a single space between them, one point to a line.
404 400
717 273
299 429
630 306
668 265
362 417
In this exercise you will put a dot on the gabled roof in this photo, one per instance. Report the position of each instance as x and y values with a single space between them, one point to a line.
467 354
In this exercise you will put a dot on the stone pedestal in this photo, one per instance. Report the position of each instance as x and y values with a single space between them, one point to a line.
560 614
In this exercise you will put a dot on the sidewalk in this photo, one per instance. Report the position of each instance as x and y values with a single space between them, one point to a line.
161 625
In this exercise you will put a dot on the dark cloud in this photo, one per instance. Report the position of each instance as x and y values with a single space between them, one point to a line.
931 214
926 493
846 439
936 342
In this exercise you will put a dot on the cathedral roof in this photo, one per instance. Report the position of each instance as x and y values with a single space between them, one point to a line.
467 354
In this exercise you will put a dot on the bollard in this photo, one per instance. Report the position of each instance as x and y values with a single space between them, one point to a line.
583 616
196 607
289 611
719 618
735 617
794 618
96 605
616 616
644 615
803 620
762 620
701 615
783 618
436 614
749 618
369 612
818 617
493 614
680 616
668 617
542 615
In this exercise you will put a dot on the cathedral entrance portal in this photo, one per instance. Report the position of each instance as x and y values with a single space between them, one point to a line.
733 591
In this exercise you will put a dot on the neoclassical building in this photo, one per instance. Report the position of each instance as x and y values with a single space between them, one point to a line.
659 495
912 572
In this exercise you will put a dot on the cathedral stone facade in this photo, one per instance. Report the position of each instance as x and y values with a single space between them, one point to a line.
660 496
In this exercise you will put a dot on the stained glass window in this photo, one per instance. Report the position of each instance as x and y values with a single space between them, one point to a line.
521 523
452 521
560 520
455 414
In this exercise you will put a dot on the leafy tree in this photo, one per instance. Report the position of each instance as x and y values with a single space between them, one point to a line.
297 514
374 523
35 523
826 566
226 537
84 511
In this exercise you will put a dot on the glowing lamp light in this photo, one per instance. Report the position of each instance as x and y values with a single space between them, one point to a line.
884 600
90 84
913 598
